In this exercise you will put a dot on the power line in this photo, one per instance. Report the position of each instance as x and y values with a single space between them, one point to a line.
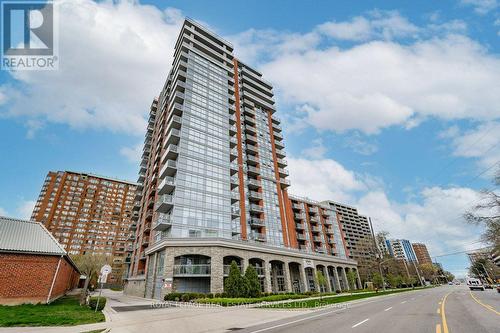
460 252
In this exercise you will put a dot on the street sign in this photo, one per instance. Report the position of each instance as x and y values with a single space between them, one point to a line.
106 269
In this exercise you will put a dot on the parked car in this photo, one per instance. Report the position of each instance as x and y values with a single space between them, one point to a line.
498 288
488 286
474 283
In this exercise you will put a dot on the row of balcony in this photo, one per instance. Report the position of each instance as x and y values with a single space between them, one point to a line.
205 270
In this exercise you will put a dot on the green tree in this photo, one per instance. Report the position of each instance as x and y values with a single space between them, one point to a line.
89 265
399 281
235 284
252 282
377 280
351 278
321 281
392 280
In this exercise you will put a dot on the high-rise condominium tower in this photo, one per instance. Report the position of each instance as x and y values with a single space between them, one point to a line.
213 184
87 213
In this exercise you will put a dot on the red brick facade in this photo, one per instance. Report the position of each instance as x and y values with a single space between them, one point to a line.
27 278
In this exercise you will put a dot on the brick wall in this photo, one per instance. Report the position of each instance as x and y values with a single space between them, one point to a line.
26 278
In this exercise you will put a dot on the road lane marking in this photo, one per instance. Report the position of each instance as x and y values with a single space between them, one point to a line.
388 308
361 322
403 302
438 328
443 315
489 307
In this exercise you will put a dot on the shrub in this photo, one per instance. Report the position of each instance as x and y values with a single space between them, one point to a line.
185 297
252 282
93 303
235 284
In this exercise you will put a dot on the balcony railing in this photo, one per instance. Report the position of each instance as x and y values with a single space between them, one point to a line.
163 222
228 267
203 269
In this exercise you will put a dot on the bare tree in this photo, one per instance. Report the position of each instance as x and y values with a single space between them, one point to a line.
488 214
89 264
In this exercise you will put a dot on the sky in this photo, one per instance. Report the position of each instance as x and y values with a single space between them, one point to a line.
390 106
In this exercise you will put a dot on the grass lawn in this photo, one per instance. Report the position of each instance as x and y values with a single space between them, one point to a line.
329 300
65 311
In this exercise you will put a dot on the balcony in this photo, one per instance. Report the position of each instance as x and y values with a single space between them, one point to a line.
233 142
256 222
301 237
329 231
280 153
258 236
278 135
169 169
131 237
256 208
313 210
313 218
232 130
251 138
165 203
232 119
177 109
253 171
249 111
233 168
299 226
249 120
279 144
315 229
253 160
319 250
173 136
163 222
250 129
253 183
284 183
254 195
296 206
175 122
133 226
252 149
277 127
167 185
192 270
171 152
235 211
235 182
327 212
283 172
317 239
235 196
299 216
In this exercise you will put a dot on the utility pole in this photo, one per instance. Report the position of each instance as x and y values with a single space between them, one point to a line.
418 273
379 256
486 271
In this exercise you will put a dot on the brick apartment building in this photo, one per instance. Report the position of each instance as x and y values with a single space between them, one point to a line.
34 267
87 213
213 185
421 253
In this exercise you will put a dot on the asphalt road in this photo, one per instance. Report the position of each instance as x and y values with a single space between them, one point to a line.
415 311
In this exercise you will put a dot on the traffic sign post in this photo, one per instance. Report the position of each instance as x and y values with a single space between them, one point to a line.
105 270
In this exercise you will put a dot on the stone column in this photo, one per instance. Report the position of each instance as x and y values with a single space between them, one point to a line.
267 277
344 277
304 283
328 282
168 273
288 279
216 272
360 285
316 285
336 280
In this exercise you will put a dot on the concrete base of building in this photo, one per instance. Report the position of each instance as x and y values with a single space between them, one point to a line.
135 286
201 265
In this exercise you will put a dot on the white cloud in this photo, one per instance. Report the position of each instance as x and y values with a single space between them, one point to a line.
316 151
114 57
481 143
323 179
25 209
379 24
133 154
359 145
379 84
481 6
3 212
